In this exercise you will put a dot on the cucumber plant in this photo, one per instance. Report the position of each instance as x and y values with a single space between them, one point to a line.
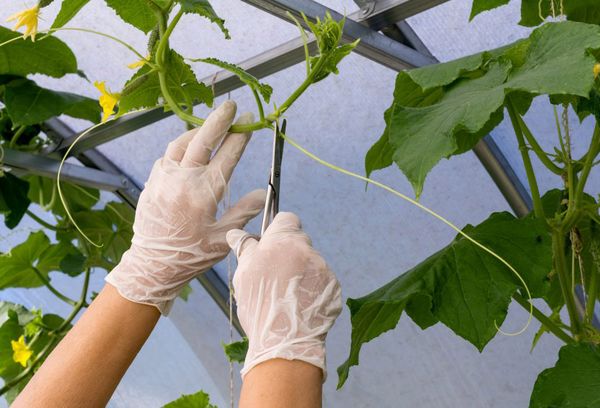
444 110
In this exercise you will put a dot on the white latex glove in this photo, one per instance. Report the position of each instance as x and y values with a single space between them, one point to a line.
176 233
287 297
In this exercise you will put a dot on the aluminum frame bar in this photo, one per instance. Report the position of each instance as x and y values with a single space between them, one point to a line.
373 45
384 13
47 167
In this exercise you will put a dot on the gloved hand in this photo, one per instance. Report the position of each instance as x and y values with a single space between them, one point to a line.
287 298
176 233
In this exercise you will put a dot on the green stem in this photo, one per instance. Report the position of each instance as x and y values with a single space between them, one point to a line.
16 136
535 192
261 111
577 187
587 165
560 265
44 223
543 319
538 149
592 289
52 289
300 90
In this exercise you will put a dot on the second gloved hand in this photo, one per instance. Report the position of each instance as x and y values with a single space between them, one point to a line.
176 233
287 298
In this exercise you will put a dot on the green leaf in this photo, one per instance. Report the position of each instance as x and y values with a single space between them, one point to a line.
13 199
461 286
444 110
143 89
17 268
185 292
68 10
197 400
572 382
73 264
585 11
254 84
204 9
135 12
236 351
22 57
479 6
29 104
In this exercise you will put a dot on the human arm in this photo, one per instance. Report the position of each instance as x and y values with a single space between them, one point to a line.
287 300
87 365
176 237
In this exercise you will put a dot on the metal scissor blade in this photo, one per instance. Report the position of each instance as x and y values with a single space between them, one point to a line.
272 201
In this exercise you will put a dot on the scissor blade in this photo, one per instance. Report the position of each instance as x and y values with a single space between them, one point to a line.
276 170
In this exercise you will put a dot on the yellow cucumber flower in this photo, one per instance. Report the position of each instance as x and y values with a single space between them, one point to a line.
139 64
108 100
596 70
29 19
21 352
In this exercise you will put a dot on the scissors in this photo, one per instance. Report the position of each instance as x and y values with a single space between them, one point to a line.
272 201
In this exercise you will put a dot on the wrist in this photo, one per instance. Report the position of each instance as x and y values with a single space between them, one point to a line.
309 350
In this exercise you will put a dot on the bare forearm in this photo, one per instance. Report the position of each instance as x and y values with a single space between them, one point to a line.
281 383
87 365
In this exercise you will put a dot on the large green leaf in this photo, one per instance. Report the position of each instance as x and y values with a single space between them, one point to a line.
197 400
574 382
29 104
13 199
68 10
479 6
18 267
135 12
143 89
444 110
585 11
461 286
237 350
204 9
21 57
264 89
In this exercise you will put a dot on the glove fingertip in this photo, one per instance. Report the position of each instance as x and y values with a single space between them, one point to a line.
233 237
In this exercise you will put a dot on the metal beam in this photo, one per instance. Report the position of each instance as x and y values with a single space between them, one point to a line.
59 131
373 45
47 167
379 14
